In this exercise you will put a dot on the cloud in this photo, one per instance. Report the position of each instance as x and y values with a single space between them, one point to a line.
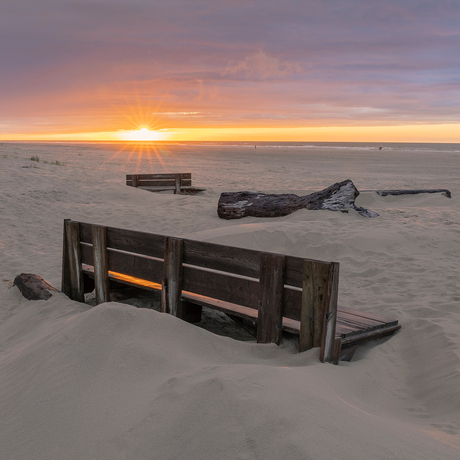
261 65
310 60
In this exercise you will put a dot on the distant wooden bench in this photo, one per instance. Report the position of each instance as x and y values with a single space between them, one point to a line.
276 291
177 182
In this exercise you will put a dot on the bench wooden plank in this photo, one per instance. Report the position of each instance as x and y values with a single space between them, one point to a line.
245 262
218 285
159 176
147 244
145 268
125 279
369 315
367 335
159 183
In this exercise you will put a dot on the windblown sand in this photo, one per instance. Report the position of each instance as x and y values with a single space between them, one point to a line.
120 382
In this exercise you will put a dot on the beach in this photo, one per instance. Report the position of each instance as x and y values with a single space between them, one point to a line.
115 381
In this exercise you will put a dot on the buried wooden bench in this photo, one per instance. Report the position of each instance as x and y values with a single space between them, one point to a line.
277 292
177 182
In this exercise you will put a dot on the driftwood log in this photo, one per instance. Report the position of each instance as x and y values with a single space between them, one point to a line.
33 287
443 191
338 197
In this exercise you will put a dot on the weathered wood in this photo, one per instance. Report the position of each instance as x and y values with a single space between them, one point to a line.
443 191
33 287
335 356
177 182
146 244
159 183
306 312
65 280
220 305
364 336
328 345
270 319
223 286
159 176
313 304
244 262
74 260
101 264
191 274
363 314
172 276
338 197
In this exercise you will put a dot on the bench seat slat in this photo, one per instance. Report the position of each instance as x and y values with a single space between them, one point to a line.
160 183
158 176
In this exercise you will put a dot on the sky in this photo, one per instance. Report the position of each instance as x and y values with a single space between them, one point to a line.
292 70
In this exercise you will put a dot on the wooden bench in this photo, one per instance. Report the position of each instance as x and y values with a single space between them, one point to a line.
276 291
177 182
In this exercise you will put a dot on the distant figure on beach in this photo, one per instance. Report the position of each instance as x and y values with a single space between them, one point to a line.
380 148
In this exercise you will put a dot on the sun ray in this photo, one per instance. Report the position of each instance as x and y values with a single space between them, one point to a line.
144 129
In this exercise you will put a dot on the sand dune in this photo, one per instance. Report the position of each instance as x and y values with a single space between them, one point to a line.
120 382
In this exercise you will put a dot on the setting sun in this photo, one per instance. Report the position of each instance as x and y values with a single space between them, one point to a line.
143 134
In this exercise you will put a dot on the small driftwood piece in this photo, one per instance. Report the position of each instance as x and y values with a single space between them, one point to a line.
338 197
443 191
33 287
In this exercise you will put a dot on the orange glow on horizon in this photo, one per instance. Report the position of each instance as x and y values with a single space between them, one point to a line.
441 133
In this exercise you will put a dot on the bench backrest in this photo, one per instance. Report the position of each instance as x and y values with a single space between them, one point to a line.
159 180
300 289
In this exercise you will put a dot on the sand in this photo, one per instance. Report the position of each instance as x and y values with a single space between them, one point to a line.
120 382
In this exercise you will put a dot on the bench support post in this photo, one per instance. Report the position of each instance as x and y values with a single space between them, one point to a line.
135 180
178 183
101 263
172 282
314 297
330 346
269 323
72 276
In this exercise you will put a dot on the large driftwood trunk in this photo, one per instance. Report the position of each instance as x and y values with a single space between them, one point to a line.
338 197
33 287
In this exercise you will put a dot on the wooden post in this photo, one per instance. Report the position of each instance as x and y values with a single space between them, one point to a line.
101 264
314 289
172 283
269 323
178 179
65 277
74 276
135 180
330 346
